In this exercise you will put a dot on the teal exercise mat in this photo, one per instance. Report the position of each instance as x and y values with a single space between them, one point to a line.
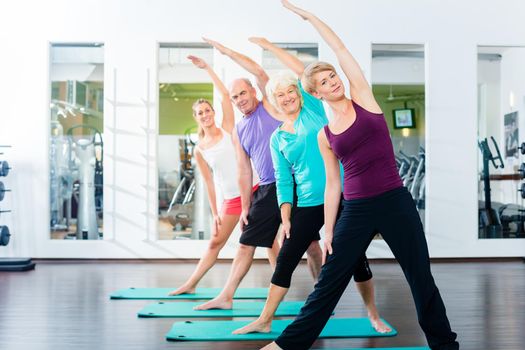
200 293
239 309
420 348
222 330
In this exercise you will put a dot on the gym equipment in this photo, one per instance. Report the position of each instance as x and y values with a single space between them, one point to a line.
239 309
4 168
189 206
200 293
522 148
16 264
522 190
87 164
2 191
521 171
489 221
180 212
201 227
76 179
222 330
412 172
512 217
9 264
4 235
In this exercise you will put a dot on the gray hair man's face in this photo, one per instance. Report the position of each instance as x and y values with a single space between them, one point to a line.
243 96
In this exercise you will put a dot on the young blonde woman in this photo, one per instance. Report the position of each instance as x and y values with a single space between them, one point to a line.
214 154
374 200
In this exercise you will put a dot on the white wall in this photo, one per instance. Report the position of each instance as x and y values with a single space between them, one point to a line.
398 71
131 32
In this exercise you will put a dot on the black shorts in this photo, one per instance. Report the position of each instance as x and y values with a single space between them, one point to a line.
264 218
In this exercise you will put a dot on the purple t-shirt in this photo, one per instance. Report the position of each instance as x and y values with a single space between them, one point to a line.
367 155
254 132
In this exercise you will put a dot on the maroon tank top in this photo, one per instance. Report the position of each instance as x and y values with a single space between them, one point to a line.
367 155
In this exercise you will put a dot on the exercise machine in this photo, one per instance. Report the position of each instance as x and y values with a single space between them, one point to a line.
9 264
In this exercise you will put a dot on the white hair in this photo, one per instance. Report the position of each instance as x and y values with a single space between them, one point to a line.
283 79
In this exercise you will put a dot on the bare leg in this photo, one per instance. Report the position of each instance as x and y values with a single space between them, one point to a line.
210 256
315 259
241 264
264 322
273 252
366 289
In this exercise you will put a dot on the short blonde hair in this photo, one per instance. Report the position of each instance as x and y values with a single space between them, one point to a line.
310 71
282 79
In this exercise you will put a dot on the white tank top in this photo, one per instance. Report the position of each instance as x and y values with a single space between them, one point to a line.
221 159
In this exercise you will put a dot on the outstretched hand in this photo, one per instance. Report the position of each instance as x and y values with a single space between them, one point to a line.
222 49
302 13
197 61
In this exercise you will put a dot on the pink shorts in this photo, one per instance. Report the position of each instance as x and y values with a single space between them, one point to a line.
233 206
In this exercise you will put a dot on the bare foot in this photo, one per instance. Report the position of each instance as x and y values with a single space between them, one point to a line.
182 290
379 325
257 326
271 346
217 303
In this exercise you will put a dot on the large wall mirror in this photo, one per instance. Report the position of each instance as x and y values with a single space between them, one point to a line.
76 143
501 165
398 83
183 206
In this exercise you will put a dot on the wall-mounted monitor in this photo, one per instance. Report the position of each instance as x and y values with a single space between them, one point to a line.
404 118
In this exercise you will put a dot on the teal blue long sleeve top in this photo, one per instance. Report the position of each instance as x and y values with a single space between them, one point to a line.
299 154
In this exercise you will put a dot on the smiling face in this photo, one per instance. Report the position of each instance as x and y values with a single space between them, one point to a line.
243 96
328 86
287 99
204 114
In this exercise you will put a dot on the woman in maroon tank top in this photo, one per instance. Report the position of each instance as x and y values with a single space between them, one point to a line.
374 201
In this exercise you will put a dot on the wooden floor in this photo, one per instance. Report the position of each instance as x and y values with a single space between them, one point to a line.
65 305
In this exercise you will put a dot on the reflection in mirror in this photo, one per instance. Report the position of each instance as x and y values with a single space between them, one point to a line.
76 145
501 104
183 205
398 83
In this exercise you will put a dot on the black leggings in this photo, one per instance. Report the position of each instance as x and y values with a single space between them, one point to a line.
394 215
305 225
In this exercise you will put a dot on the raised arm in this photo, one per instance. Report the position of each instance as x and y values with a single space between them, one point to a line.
332 193
282 55
360 89
226 104
245 62
245 178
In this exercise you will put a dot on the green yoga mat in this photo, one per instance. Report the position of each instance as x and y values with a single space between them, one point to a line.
222 330
240 309
200 293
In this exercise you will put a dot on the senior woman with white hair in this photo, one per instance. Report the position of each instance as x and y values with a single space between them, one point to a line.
296 158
